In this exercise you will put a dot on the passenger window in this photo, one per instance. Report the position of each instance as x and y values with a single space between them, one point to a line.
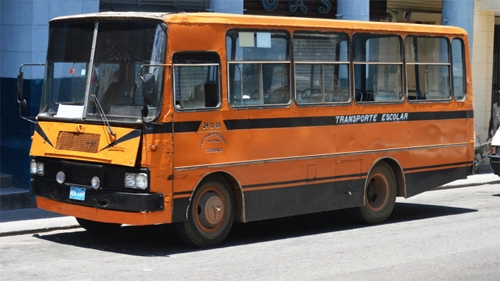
427 68
259 68
458 68
377 68
321 67
196 80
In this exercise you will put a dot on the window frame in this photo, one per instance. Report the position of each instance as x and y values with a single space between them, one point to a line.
322 63
287 89
464 70
448 65
214 61
356 62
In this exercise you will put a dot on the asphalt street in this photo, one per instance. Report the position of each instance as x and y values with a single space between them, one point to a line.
14 222
444 234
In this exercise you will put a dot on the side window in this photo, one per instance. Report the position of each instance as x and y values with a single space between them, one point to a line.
321 66
458 68
196 80
377 68
258 68
427 68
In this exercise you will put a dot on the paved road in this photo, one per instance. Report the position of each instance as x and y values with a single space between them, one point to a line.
450 234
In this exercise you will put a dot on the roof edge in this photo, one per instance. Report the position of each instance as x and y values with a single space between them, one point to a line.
114 15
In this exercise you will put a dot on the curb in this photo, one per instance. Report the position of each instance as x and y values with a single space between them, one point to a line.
33 231
37 225
475 180
465 185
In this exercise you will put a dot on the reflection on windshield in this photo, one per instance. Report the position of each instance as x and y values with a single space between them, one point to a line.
112 74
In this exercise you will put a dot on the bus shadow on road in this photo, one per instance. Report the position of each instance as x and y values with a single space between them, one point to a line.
335 221
161 240
410 212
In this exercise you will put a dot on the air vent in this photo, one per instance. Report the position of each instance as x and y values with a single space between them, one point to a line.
74 141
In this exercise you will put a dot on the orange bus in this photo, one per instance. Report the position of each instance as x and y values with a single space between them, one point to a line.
202 119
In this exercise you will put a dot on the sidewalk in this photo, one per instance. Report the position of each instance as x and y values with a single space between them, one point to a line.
34 220
473 180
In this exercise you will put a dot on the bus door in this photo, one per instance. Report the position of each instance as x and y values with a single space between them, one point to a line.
196 94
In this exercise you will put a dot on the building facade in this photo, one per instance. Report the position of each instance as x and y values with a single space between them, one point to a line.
24 36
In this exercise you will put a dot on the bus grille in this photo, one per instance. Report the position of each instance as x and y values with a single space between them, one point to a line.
78 142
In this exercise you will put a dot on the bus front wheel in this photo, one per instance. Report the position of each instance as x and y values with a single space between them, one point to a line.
210 214
97 227
380 194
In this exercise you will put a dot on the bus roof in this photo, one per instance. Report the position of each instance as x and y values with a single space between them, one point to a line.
256 21
302 22
113 15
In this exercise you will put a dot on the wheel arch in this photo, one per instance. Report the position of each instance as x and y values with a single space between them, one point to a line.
235 189
398 173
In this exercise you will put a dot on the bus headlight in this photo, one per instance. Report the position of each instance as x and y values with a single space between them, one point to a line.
141 181
95 182
136 180
130 180
60 177
33 167
36 168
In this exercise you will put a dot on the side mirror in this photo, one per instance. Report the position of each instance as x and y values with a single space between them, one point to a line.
148 91
148 88
20 83
20 99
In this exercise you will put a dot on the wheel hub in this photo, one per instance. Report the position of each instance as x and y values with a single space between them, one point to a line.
213 210
377 192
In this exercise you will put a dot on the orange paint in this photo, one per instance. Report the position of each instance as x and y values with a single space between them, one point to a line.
271 157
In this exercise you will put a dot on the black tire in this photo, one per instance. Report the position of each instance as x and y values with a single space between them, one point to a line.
98 227
210 214
380 194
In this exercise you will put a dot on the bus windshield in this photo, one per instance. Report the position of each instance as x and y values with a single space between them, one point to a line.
93 65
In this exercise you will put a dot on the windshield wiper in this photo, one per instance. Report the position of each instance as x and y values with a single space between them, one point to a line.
103 115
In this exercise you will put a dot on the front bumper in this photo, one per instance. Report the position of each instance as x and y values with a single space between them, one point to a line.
495 164
102 199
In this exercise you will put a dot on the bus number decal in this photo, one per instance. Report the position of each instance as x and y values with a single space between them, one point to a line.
211 125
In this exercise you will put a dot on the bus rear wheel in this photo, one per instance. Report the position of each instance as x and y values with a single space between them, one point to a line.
97 227
210 214
380 194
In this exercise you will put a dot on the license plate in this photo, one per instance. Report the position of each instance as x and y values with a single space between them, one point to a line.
77 193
